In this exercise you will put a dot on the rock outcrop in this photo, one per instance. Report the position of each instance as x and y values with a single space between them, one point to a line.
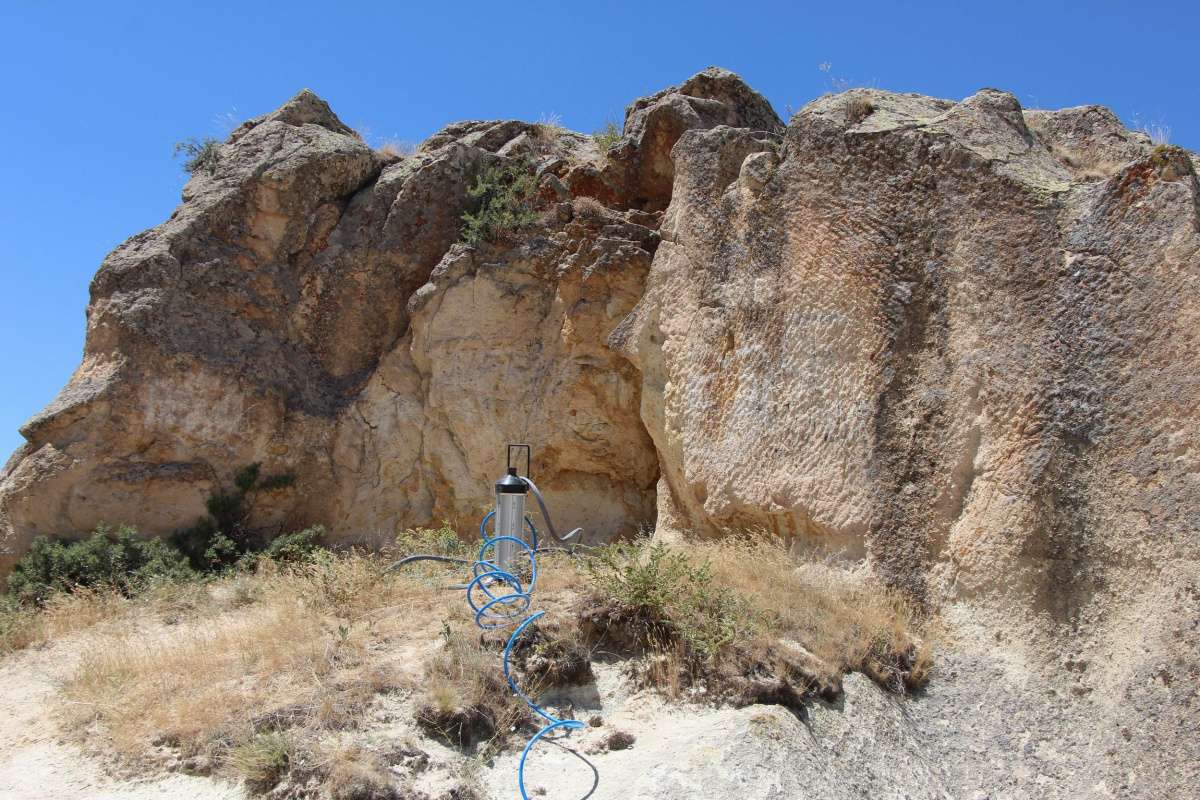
957 339
909 333
306 307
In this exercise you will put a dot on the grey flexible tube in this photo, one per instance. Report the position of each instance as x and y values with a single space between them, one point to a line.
546 514
443 559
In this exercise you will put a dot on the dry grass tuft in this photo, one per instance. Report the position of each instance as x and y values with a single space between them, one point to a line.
262 759
351 772
63 614
847 619
395 149
588 208
547 131
466 699
1084 166
1159 132
858 109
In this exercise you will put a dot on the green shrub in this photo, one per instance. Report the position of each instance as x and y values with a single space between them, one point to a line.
502 202
607 136
656 582
298 547
117 559
202 154
224 536
262 759
443 541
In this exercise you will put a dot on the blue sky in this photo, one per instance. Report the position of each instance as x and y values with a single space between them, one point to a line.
96 93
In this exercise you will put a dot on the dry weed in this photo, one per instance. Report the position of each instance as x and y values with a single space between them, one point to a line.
751 622
64 614
1084 166
588 208
351 772
846 618
301 648
394 149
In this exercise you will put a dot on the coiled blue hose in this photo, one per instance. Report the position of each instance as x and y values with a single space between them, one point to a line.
501 610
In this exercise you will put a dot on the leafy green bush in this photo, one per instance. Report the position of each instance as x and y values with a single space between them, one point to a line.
297 547
202 154
225 535
441 541
656 582
117 559
502 202
607 136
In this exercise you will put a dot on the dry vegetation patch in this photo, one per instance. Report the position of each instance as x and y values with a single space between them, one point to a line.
62 614
274 674
1085 165
278 656
746 622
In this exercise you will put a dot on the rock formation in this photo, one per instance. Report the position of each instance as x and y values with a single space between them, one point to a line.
306 307
960 340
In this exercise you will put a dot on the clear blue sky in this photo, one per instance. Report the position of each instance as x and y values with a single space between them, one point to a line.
97 92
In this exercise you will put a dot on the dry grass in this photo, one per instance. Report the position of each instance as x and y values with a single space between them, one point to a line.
1158 132
858 109
846 618
395 149
304 650
1084 166
465 699
588 208
63 614
352 772
262 759
744 616
547 131
274 672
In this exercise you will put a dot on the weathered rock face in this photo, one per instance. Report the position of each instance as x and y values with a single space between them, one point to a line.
957 339
304 307
909 333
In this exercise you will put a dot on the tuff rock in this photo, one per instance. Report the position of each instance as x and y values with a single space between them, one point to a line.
956 339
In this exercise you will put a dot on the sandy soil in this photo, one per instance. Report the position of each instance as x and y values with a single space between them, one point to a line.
37 762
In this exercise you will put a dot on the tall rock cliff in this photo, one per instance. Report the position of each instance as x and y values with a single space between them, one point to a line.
307 307
958 339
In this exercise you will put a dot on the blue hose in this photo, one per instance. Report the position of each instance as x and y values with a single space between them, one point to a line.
501 610
532 529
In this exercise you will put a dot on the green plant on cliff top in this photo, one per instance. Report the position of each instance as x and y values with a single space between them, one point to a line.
202 154
502 202
607 136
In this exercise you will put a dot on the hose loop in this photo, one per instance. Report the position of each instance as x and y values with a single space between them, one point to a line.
502 610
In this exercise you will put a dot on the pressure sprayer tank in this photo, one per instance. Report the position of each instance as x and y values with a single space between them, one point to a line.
510 516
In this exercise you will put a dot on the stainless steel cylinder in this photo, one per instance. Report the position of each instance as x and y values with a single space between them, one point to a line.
510 521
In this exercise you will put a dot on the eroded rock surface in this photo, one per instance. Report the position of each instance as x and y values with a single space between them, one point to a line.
909 334
304 307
